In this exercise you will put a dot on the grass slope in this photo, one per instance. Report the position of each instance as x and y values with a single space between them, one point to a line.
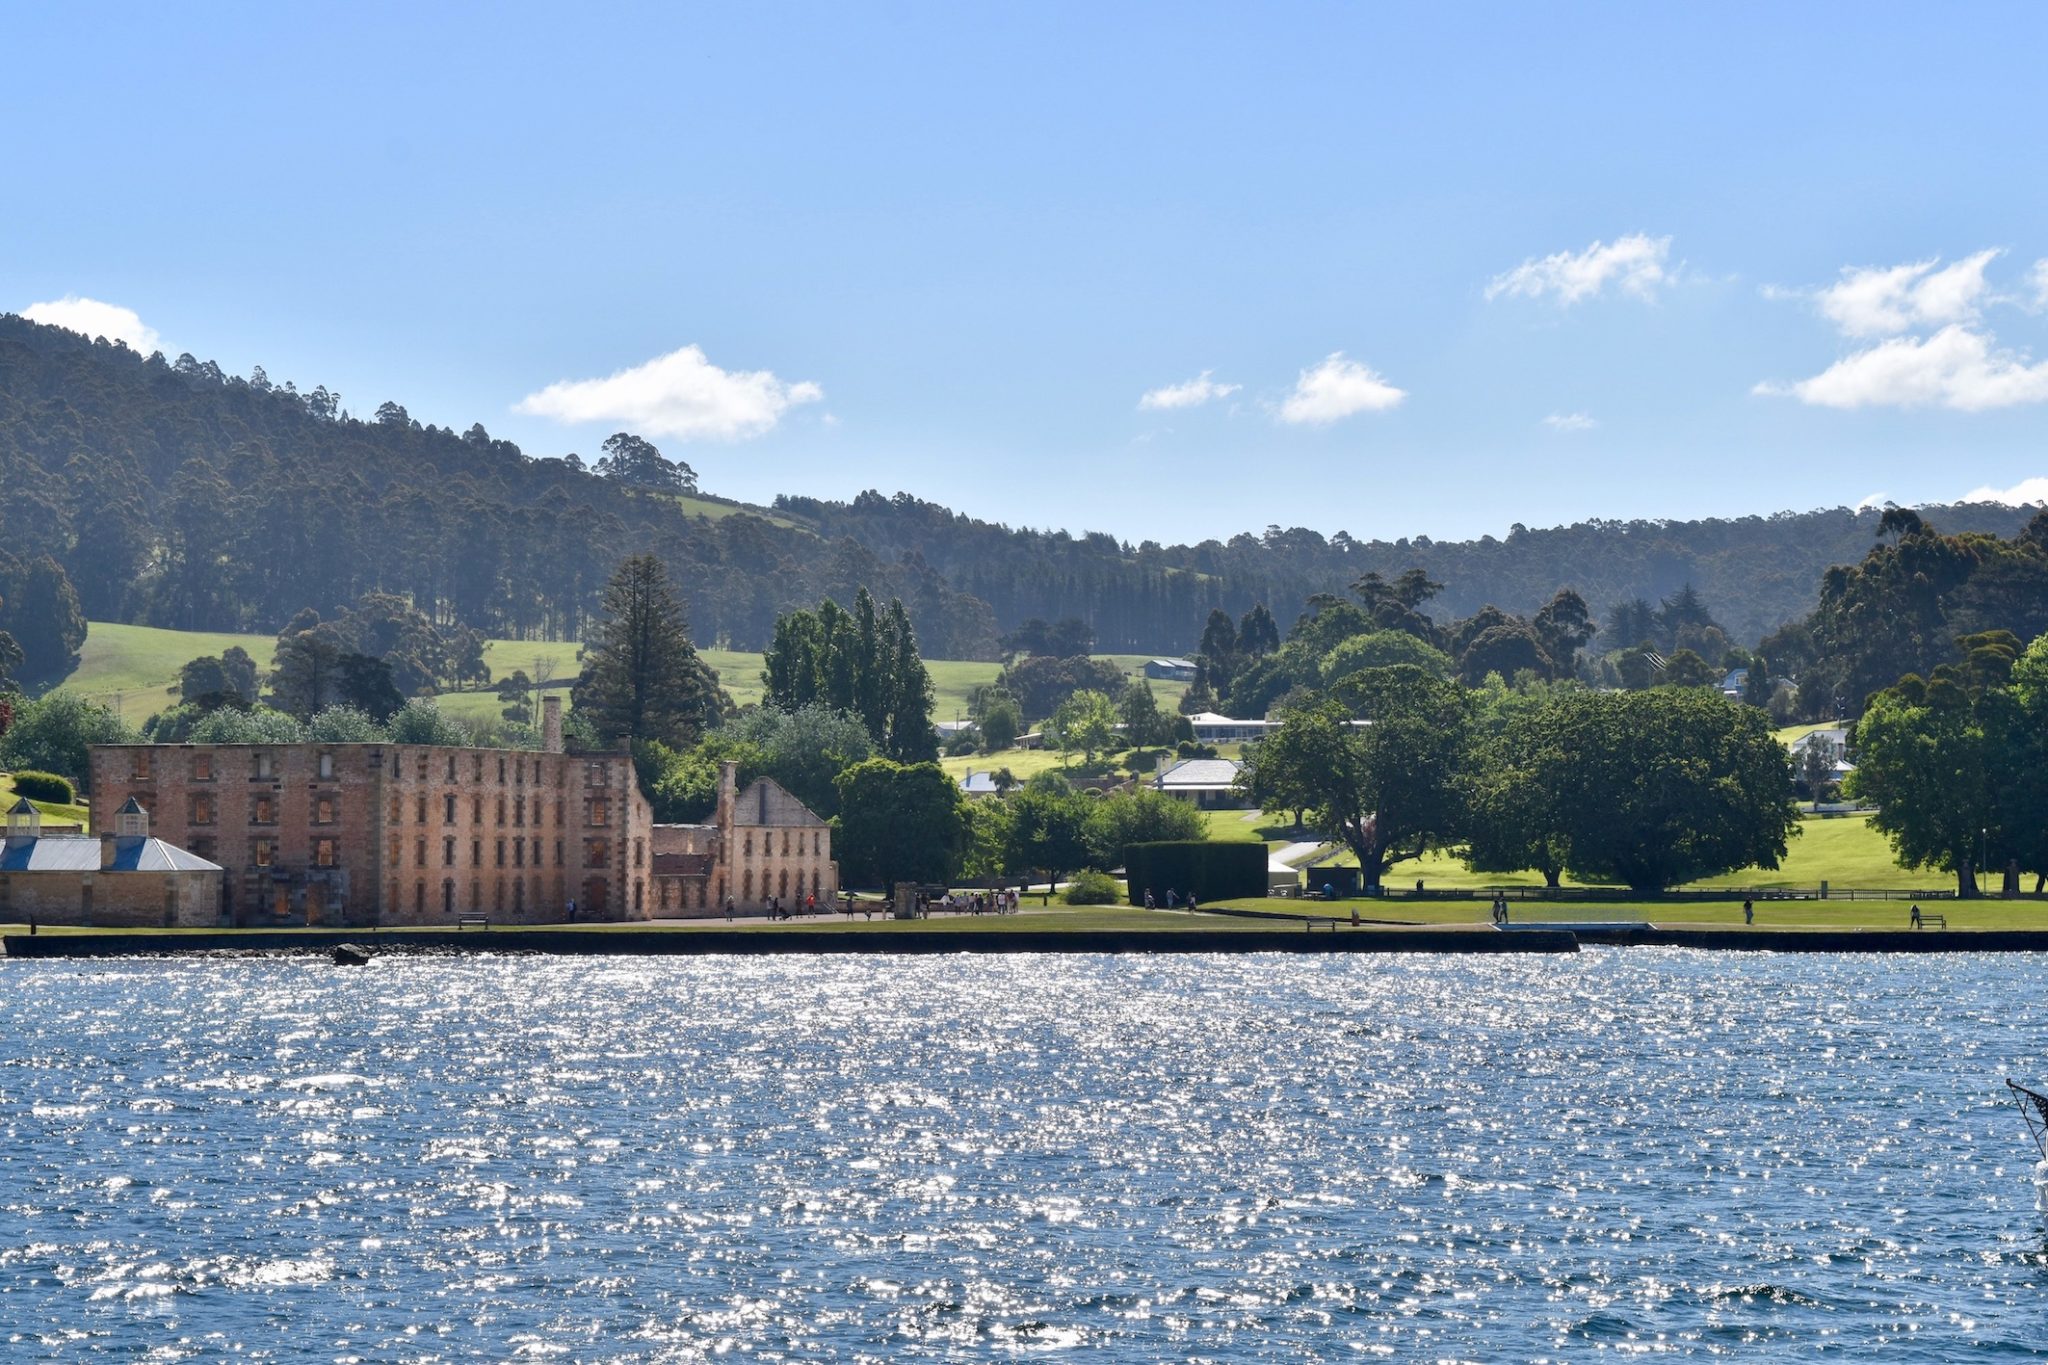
50 810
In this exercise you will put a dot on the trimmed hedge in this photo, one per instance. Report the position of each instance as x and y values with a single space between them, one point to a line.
47 787
1212 871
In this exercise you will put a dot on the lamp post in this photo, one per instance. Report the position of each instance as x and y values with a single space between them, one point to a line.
1983 853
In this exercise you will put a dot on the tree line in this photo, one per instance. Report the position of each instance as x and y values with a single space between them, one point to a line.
171 493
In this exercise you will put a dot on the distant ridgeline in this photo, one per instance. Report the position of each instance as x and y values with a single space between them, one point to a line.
175 495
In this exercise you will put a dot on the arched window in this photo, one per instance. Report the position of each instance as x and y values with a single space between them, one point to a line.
782 883
448 897
747 885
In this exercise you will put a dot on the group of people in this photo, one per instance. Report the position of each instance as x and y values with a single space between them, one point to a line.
1500 907
1172 900
779 909
1003 902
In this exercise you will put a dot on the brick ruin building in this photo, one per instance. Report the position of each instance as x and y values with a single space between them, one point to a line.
379 833
762 842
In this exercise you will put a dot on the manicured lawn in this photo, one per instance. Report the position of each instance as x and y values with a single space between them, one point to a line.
1986 914
1022 763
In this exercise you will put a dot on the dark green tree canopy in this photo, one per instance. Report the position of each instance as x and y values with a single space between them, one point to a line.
864 662
899 823
642 678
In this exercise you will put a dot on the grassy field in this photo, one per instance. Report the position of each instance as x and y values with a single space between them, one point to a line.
1985 914
50 810
1843 851
135 669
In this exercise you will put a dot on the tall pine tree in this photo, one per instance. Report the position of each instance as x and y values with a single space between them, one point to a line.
642 678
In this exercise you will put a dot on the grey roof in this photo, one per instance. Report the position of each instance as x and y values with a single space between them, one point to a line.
979 784
22 807
1216 773
131 807
81 853
768 802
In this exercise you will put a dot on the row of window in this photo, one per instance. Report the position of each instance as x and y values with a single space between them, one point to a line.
596 852
202 809
781 885
596 812
263 852
263 764
594 896
768 843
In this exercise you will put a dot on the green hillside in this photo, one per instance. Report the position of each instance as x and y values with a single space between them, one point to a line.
135 670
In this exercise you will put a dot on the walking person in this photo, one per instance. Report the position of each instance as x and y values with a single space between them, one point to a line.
1748 911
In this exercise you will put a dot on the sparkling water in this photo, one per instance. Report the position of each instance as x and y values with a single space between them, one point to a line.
1225 1158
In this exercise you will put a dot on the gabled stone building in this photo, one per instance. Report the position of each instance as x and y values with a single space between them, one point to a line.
125 878
762 842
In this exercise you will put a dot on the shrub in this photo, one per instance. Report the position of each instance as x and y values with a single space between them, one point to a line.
44 787
1092 888
1209 870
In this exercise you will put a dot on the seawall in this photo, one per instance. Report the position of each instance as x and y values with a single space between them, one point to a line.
767 942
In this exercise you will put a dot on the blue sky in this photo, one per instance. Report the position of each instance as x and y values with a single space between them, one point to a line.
1444 269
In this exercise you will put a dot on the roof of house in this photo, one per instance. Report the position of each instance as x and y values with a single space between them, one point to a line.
1172 663
81 853
1201 774
979 784
768 802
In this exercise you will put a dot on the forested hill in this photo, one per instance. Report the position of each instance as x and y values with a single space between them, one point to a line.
177 495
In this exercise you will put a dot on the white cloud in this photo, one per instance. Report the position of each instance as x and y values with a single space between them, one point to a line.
1570 421
2025 492
1954 368
1338 388
679 394
1635 263
1872 302
90 317
1873 501
2038 278
1197 391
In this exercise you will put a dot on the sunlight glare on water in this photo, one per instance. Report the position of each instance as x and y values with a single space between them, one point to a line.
1241 1158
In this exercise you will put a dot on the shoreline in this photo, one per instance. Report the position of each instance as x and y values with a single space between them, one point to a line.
757 943
1542 939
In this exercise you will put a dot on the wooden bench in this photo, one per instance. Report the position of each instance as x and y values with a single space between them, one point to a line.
1930 921
472 921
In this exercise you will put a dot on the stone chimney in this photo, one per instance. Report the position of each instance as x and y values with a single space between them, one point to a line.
551 725
728 794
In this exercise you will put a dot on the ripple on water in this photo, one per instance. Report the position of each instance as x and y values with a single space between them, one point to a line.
1242 1158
